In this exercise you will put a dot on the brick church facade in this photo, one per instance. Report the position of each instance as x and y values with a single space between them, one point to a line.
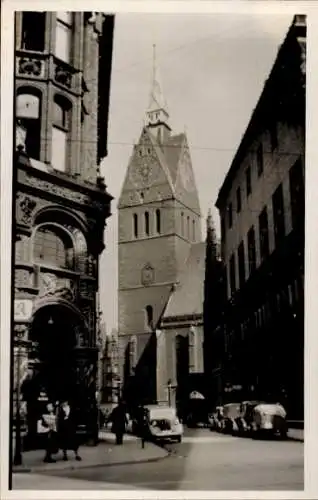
159 236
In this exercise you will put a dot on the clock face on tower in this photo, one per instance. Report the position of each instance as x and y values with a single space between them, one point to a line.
186 172
145 169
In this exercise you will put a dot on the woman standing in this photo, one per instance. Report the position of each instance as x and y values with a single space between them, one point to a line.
47 426
66 427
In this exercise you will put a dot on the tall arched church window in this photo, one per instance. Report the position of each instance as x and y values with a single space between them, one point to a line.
188 227
33 31
149 316
182 224
135 225
63 35
28 112
147 223
53 246
193 230
158 221
60 133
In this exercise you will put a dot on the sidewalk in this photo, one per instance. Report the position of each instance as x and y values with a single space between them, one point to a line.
106 453
296 434
40 482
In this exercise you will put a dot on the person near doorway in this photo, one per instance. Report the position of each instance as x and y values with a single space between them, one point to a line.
66 428
119 420
47 427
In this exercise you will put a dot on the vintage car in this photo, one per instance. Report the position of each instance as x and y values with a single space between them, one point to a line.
216 419
231 413
163 423
269 419
245 417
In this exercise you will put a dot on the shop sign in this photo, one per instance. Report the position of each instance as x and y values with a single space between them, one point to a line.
22 309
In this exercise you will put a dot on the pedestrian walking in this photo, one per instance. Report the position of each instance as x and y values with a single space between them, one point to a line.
119 420
47 427
143 426
66 427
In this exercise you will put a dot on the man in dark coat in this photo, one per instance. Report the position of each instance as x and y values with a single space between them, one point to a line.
119 419
66 427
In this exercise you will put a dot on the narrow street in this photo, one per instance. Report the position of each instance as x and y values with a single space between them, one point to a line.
207 461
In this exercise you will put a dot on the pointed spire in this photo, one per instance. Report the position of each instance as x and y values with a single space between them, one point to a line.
209 220
157 109
157 100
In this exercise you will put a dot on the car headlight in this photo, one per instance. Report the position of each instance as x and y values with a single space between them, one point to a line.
154 423
176 422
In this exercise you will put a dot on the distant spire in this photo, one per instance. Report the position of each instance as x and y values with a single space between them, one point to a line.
211 234
209 220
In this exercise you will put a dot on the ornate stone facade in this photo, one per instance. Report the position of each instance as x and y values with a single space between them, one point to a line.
61 204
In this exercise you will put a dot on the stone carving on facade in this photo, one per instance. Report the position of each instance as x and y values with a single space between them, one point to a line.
81 338
27 206
22 278
30 66
63 192
51 286
147 274
63 75
87 289
91 265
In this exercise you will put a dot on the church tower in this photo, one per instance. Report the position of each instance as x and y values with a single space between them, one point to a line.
159 220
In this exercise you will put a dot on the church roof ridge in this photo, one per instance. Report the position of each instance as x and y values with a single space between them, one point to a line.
162 160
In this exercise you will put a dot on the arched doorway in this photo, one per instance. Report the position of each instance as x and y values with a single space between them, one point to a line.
57 330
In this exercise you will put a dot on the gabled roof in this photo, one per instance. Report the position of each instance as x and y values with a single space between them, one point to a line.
172 150
189 295
162 159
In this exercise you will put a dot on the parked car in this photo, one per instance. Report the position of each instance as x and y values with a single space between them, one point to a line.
231 413
245 418
163 423
269 419
216 419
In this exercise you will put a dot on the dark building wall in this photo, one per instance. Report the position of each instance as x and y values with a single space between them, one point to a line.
263 242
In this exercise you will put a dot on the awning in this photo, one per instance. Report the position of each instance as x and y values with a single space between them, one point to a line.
196 395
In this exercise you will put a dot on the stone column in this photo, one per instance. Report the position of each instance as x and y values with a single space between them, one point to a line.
162 378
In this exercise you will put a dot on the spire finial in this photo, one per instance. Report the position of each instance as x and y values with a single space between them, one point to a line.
157 108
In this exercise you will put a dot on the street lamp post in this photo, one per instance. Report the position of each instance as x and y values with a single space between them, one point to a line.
169 392
17 460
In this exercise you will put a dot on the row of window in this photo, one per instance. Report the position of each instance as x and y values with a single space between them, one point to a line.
188 228
146 224
285 298
248 178
296 183
28 112
33 33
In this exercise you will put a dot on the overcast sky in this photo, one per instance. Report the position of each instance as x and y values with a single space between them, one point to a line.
213 68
